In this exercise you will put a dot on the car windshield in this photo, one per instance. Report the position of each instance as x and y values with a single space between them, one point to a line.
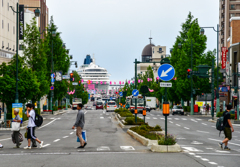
177 107
99 103
111 103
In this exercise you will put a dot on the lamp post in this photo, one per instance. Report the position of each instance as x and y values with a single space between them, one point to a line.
217 92
37 14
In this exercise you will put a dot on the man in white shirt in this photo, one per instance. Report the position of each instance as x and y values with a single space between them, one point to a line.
31 127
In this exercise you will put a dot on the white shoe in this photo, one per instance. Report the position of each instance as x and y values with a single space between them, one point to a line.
27 147
41 144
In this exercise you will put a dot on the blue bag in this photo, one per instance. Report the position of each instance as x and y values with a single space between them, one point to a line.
84 136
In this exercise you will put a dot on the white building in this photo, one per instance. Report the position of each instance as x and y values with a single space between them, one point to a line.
7 30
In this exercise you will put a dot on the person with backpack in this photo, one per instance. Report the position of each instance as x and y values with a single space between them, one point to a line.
31 126
228 128
79 124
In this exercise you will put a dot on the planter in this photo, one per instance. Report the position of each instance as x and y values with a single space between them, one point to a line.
120 123
121 118
166 148
144 141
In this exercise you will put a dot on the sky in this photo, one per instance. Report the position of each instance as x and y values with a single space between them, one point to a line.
116 31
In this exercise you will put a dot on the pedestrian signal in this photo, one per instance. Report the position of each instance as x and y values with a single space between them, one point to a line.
189 73
79 83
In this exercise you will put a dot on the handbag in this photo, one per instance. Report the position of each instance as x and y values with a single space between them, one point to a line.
15 126
20 138
84 136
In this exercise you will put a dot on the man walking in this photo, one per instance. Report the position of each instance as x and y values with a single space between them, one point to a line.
16 133
31 127
227 131
79 124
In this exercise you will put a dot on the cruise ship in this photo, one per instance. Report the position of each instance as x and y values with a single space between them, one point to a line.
95 78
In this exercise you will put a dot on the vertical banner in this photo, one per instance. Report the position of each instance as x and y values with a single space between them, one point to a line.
21 21
224 57
17 106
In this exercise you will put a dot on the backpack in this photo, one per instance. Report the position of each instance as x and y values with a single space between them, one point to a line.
38 120
219 124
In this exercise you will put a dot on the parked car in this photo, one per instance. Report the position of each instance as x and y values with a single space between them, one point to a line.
99 105
177 110
88 108
111 106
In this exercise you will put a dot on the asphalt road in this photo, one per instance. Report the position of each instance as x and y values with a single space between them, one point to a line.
109 145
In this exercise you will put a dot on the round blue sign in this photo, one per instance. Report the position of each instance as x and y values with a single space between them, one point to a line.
166 72
135 92
121 93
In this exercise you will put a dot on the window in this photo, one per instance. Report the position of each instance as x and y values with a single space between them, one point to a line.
111 103
2 44
2 2
8 6
232 7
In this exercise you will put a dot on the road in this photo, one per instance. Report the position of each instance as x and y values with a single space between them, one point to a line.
109 145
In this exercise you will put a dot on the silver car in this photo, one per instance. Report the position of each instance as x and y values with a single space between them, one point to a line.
177 110
111 106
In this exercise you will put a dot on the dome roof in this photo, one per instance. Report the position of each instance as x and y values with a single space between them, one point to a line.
147 51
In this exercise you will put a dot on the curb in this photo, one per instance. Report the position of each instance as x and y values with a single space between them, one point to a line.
165 148
122 125
144 141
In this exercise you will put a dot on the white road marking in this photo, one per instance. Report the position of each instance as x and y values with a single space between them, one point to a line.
101 117
5 139
181 138
161 118
194 120
191 153
213 163
209 148
219 151
214 126
46 145
220 141
178 125
176 118
197 156
154 118
75 130
52 118
86 112
158 115
56 140
127 148
199 119
196 142
171 122
65 137
186 128
147 118
204 159
47 124
151 114
204 124
192 149
184 119
202 131
170 118
71 133
103 148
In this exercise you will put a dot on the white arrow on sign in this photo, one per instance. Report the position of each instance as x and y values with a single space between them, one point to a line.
164 73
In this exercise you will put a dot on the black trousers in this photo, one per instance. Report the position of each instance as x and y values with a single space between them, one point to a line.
16 137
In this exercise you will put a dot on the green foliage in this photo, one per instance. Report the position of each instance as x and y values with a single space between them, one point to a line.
147 131
55 108
131 121
232 116
186 108
25 117
27 84
60 107
37 110
170 140
219 114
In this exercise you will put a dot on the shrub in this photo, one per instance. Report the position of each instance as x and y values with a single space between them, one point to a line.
145 130
232 116
131 121
55 108
219 114
186 108
170 140
38 111
60 107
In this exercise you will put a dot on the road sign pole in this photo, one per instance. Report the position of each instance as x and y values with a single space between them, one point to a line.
135 88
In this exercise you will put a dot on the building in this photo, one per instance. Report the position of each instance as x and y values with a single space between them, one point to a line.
151 53
95 78
7 30
233 57
227 10
44 15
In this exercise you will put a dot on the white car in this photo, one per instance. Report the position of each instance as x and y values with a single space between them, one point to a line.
177 110
111 106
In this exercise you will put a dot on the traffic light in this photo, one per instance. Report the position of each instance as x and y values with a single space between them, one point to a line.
79 83
157 80
71 77
189 73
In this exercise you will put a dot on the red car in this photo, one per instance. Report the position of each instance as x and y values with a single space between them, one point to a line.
99 105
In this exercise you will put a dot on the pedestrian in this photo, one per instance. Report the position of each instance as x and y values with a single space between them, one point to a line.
31 127
16 133
34 144
79 124
227 131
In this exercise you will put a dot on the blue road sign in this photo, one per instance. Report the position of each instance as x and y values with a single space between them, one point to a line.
52 80
121 94
52 75
135 92
111 98
52 88
166 72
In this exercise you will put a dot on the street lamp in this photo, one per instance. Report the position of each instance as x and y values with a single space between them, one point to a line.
37 13
217 92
